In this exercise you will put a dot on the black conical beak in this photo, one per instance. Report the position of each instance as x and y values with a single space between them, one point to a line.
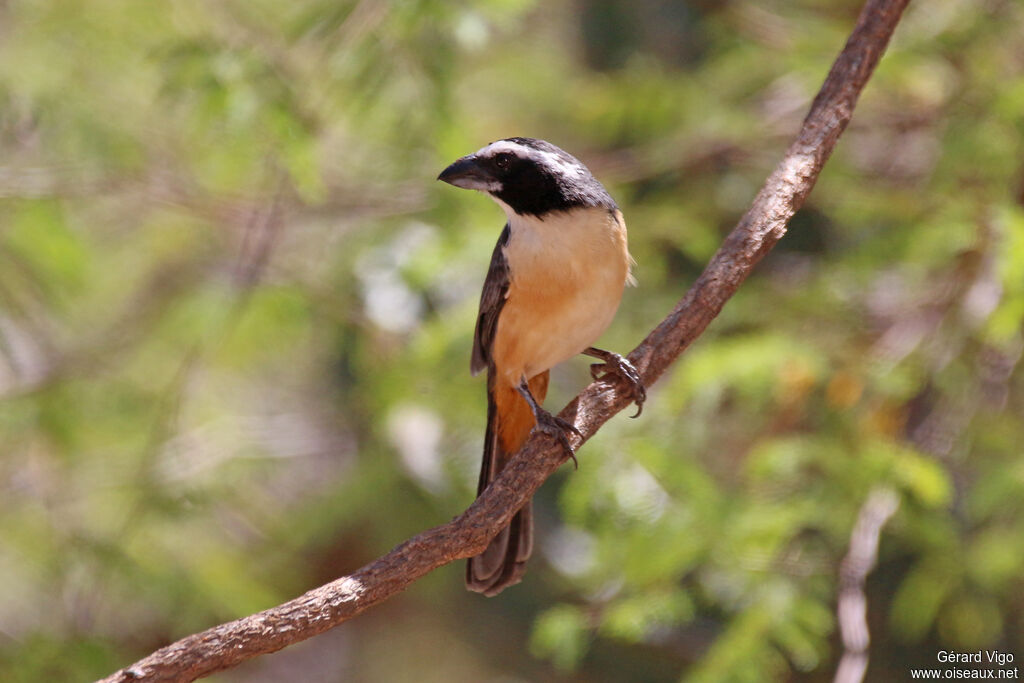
470 174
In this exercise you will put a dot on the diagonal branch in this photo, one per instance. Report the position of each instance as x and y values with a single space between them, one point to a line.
227 645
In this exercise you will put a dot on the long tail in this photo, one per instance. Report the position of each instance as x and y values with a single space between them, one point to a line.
509 422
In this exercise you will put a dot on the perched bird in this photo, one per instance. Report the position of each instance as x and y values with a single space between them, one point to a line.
555 281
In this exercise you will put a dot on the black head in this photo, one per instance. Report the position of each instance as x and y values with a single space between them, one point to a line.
532 177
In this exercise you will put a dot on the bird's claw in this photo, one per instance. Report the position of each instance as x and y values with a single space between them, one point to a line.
554 426
617 365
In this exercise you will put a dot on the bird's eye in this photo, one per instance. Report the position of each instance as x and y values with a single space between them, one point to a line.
503 160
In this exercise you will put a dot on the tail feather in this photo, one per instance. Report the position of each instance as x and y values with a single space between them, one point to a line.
509 423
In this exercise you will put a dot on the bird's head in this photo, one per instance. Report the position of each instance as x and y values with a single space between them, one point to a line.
528 177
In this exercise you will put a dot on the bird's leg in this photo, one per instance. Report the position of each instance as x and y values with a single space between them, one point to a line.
551 425
614 364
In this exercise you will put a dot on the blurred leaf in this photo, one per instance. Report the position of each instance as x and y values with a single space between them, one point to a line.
561 634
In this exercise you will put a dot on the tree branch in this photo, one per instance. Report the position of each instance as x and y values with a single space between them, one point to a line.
852 605
227 645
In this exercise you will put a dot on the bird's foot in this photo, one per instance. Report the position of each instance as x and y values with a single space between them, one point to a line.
620 367
554 426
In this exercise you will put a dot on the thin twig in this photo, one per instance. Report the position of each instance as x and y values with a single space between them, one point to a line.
852 607
229 644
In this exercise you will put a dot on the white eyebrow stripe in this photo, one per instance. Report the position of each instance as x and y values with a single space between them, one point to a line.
561 163
504 146
550 159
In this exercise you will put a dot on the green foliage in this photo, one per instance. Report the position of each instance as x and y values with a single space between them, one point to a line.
236 314
561 635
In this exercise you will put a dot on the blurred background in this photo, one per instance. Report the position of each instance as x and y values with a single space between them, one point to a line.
236 314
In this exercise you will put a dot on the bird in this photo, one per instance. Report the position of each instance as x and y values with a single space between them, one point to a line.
555 281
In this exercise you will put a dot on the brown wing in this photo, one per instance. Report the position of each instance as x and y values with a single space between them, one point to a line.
504 560
492 299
